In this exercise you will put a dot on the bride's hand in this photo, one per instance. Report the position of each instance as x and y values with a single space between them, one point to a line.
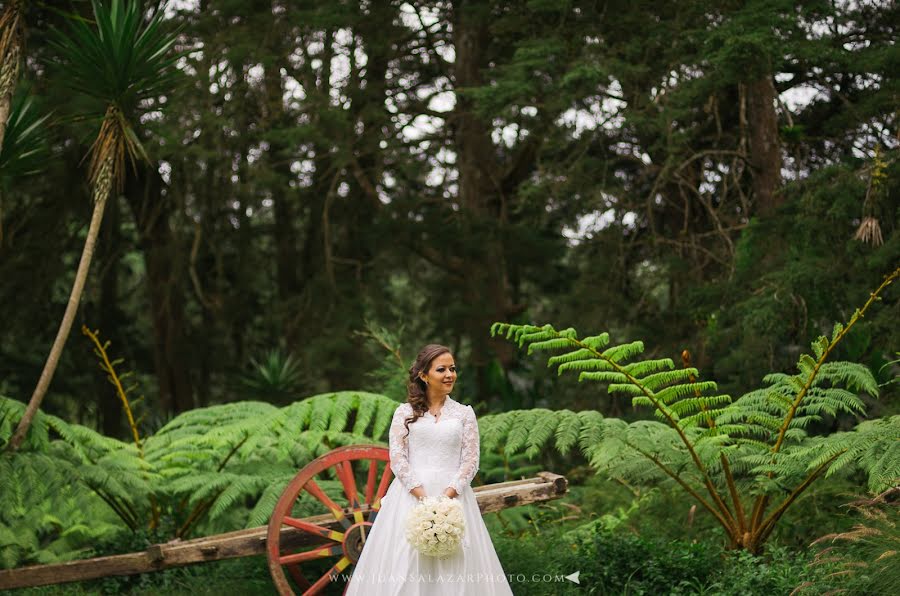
418 492
451 492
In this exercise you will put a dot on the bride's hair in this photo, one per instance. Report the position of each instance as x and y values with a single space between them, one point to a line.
416 394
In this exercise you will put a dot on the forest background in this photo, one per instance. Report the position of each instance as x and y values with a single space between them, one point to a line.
332 185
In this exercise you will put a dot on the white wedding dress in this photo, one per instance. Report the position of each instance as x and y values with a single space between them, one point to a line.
439 452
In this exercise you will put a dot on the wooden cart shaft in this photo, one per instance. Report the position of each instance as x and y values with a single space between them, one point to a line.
246 543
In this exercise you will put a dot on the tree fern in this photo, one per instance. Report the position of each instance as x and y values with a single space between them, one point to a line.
221 457
725 453
45 517
208 467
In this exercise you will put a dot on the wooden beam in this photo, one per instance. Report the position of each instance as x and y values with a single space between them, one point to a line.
247 543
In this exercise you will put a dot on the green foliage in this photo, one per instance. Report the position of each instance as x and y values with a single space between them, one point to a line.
391 376
674 394
617 561
26 144
46 516
623 562
497 467
753 449
122 60
275 377
865 556
210 469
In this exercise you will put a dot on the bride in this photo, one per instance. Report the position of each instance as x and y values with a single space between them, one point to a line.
434 450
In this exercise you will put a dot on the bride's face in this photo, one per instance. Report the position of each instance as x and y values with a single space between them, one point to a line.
442 374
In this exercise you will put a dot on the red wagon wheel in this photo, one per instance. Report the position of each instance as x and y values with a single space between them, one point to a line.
345 542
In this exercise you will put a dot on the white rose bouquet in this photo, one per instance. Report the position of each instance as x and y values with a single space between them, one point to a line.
435 526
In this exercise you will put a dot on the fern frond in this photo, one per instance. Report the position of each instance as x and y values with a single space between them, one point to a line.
623 351
568 429
707 404
340 412
656 381
579 354
549 344
593 426
630 390
676 392
645 369
262 511
603 377
851 375
365 413
585 365
545 425
242 487
518 434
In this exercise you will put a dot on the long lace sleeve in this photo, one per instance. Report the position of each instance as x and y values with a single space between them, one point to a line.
469 458
399 450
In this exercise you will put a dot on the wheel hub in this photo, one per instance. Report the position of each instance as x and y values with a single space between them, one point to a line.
355 538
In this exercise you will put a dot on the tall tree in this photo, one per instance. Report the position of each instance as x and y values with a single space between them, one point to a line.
119 62
11 40
153 204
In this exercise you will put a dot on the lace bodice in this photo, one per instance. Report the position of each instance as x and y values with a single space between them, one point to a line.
449 442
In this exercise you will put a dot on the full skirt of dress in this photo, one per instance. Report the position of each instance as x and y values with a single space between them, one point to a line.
389 565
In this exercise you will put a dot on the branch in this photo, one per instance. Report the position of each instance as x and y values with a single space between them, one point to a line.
117 508
769 524
730 528
762 501
364 182
707 481
107 366
726 467
806 387
192 269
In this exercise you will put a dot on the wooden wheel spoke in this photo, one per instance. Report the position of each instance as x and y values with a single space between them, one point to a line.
345 474
333 507
316 553
383 485
292 543
370 480
313 529
342 564
298 577
359 516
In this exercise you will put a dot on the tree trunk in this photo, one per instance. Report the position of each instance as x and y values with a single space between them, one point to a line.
109 405
165 286
64 328
765 153
278 159
485 267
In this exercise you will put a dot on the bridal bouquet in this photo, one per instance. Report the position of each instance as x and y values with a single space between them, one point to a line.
435 526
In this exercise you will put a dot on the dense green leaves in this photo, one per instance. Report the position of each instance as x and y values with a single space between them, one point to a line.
26 143
210 468
120 58
755 448
611 142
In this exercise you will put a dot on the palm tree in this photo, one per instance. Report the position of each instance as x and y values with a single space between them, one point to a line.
118 63
25 145
11 27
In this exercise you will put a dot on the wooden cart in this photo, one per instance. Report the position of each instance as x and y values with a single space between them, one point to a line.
288 541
